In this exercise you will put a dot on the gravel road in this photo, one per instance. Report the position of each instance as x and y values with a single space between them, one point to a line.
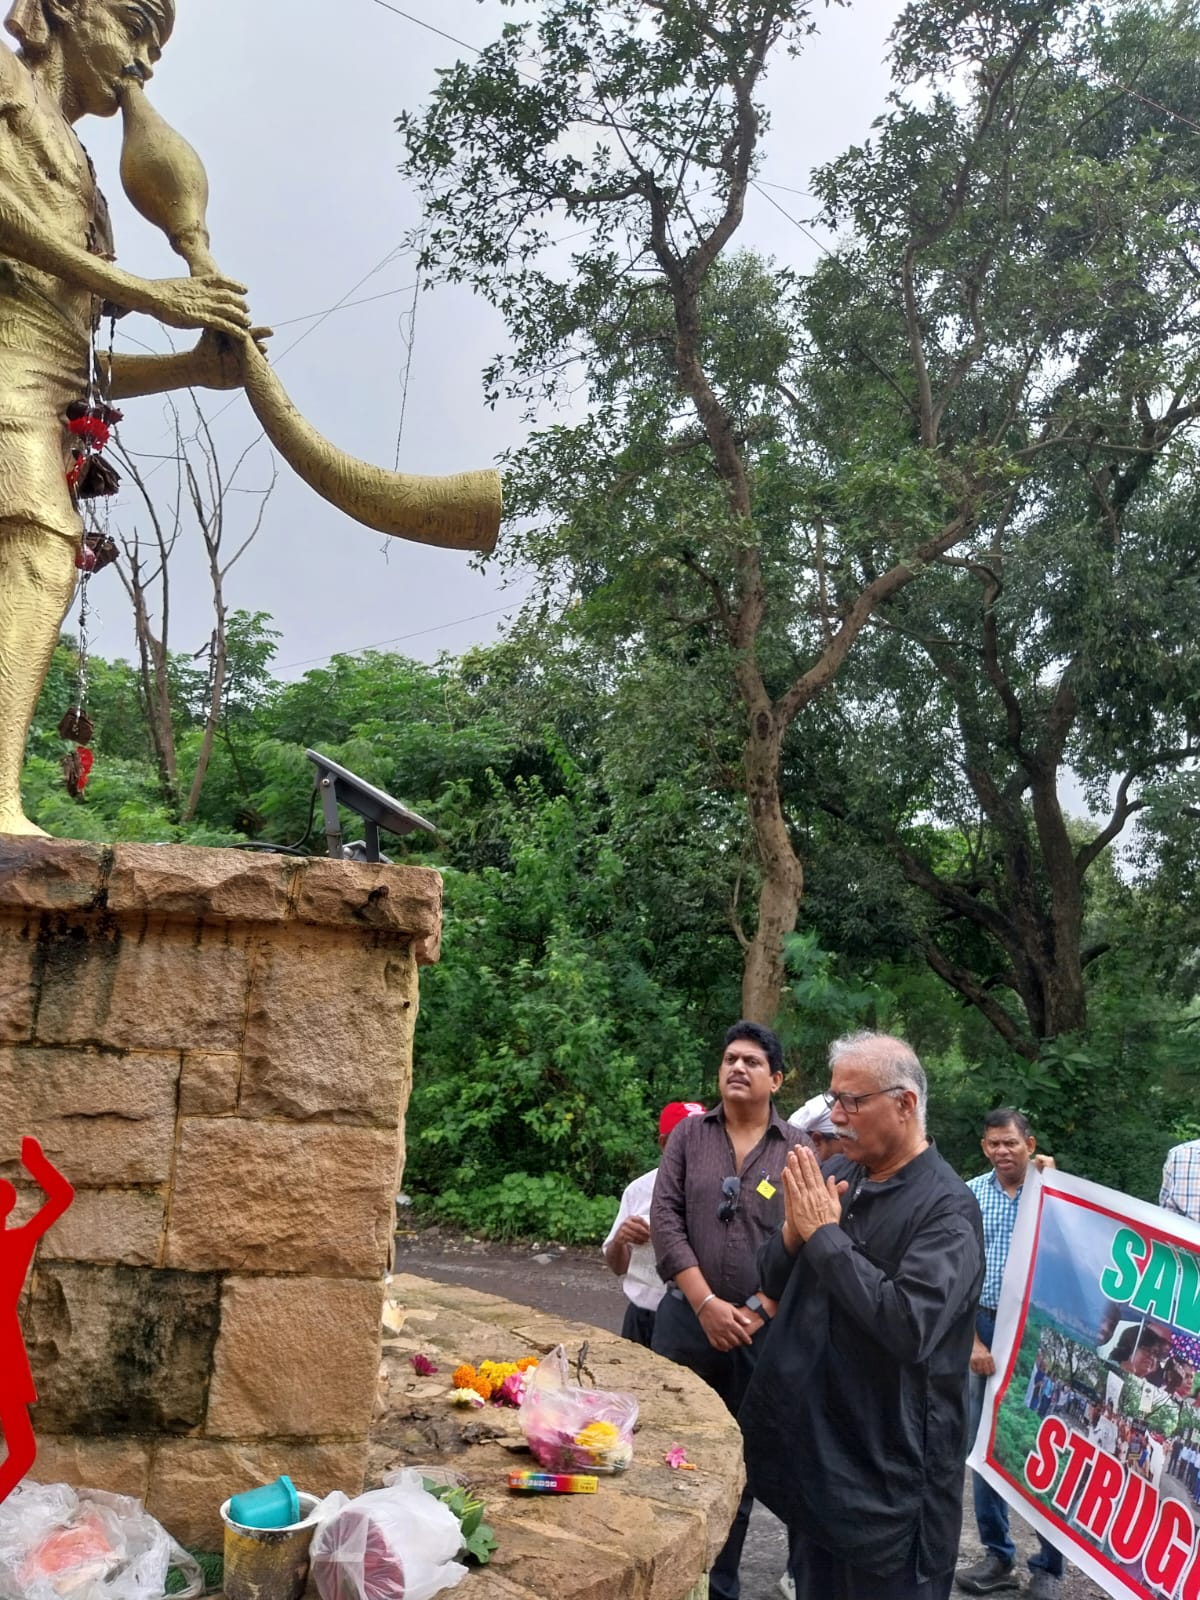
578 1285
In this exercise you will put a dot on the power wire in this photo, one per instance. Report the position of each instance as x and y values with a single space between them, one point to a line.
347 305
805 194
408 337
771 201
442 34
1166 110
323 317
429 27
400 638
318 320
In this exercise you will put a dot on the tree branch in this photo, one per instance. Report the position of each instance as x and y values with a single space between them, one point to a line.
976 995
888 584
1124 807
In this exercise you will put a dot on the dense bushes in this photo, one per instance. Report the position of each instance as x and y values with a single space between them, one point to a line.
589 968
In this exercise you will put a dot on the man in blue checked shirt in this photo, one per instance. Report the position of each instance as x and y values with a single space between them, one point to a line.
1010 1147
1181 1180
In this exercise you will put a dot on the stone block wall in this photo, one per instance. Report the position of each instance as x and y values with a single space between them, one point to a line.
215 1048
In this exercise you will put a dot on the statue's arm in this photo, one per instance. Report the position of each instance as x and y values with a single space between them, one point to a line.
59 1193
131 376
214 363
210 302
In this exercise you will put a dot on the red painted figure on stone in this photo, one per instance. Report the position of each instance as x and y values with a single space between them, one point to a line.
17 1245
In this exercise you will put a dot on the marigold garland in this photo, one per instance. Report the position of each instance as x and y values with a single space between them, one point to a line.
493 1379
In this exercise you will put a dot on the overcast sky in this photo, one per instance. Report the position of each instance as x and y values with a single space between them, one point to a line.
292 104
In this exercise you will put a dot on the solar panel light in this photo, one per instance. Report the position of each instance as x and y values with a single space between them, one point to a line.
339 787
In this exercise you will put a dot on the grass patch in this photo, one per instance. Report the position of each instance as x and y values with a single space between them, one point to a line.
212 1566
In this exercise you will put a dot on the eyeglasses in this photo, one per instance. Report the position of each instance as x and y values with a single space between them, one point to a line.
852 1104
731 1188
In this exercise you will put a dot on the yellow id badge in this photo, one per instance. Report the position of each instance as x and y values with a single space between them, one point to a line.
766 1188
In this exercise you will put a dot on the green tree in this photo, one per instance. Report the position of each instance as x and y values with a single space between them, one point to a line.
1059 636
546 1045
765 463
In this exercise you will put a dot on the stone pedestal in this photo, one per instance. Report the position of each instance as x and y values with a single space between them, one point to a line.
215 1048
649 1534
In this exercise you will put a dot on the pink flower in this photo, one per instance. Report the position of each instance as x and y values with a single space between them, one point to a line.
512 1390
676 1456
423 1367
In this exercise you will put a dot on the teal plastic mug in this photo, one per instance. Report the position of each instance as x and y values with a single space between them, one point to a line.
275 1505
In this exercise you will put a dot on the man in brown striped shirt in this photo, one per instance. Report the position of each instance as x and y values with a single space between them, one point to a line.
719 1195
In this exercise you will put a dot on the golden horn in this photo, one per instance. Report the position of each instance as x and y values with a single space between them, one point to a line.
166 181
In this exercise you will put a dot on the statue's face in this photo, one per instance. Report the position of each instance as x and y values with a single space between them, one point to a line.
103 39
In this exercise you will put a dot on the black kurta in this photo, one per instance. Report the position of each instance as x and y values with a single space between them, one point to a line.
856 1418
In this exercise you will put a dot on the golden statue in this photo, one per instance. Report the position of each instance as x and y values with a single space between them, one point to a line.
92 57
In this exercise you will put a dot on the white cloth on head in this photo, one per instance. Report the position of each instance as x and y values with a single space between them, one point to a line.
813 1117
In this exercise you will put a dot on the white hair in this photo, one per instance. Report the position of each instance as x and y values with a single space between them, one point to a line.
891 1061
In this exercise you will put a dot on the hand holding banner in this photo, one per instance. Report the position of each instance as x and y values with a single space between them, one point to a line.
1091 1423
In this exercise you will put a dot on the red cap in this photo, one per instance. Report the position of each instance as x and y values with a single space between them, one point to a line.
678 1111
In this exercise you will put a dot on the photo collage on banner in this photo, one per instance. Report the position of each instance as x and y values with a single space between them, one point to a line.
1091 1425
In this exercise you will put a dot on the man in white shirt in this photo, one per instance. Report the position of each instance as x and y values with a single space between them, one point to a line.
628 1250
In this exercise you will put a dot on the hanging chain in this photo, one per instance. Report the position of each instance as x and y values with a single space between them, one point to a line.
90 479
81 681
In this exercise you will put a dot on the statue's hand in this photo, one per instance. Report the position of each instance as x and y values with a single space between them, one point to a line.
214 303
220 358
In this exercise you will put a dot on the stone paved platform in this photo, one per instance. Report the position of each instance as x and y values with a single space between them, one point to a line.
649 1534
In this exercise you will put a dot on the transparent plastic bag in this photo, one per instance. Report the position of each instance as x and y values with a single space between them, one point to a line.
569 1429
59 1543
397 1543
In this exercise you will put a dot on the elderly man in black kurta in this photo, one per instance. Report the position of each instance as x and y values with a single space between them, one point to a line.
855 1420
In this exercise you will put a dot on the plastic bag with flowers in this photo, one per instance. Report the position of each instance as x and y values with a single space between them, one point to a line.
569 1429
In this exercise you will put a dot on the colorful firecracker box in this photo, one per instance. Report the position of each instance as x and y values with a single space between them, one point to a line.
553 1482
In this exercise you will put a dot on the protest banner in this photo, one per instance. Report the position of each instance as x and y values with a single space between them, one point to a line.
1091 1424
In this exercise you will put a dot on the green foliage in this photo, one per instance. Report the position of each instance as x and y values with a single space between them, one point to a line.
1016 1424
822 1003
479 1538
974 422
122 803
524 1205
588 968
988 391
547 1045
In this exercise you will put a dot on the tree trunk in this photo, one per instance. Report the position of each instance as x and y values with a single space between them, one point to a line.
216 697
156 694
782 874
1061 964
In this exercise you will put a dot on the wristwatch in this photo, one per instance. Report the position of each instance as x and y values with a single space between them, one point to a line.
755 1304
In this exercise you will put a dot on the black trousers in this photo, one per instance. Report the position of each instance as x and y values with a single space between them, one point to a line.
819 1575
679 1336
638 1325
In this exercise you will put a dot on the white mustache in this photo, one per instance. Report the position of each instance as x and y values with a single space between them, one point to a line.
847 1135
